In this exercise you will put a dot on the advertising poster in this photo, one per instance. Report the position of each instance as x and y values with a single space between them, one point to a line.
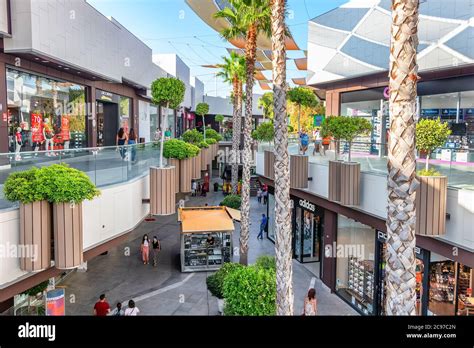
65 128
55 302
37 128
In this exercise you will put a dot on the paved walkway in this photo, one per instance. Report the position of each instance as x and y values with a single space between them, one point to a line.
164 290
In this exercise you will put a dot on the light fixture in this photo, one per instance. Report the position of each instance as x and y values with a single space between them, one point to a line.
36 58
60 66
78 72
66 68
45 61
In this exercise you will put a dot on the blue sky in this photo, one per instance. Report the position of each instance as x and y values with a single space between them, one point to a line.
170 26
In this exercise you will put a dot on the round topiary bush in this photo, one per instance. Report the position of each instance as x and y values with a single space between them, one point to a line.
179 149
211 141
23 187
211 133
215 282
193 136
203 145
232 201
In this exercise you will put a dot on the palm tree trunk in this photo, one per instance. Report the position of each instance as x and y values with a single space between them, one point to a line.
235 139
401 216
284 270
250 56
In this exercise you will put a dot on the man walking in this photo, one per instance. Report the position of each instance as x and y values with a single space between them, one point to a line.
263 225
101 307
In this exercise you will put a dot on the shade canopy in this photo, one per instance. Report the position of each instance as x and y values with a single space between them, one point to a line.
205 219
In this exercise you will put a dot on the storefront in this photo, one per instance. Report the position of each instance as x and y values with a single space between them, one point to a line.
113 112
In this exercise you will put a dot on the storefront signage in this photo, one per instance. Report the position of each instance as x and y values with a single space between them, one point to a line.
106 96
429 112
65 135
37 128
382 237
305 204
386 92
55 304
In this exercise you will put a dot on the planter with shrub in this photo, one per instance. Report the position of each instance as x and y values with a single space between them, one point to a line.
213 147
193 136
215 282
184 152
232 201
205 154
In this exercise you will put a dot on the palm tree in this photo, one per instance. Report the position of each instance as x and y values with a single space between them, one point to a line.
265 102
247 20
284 270
401 261
233 71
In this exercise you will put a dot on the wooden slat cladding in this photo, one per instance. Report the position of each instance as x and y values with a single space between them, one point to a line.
350 183
35 236
334 185
68 235
186 169
162 190
299 171
204 158
269 164
196 172
431 205
173 162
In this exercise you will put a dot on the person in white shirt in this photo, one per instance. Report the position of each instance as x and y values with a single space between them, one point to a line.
131 310
118 311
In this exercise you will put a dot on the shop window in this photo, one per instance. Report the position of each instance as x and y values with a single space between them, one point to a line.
442 286
124 116
154 122
465 285
355 264
45 112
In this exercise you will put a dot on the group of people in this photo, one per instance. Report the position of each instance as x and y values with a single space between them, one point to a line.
321 144
102 308
157 136
262 193
123 138
199 189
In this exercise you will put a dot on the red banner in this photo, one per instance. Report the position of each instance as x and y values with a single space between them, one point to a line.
65 128
37 128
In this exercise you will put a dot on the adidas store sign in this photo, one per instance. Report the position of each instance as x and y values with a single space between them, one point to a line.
305 204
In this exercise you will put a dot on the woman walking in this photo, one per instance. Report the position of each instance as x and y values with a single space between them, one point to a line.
132 140
131 310
155 247
145 249
120 141
310 303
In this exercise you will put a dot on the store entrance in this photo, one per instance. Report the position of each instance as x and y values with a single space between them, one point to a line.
107 123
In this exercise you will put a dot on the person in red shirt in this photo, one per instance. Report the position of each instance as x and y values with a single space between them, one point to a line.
101 307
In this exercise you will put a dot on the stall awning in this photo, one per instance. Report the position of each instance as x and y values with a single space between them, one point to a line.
205 219
234 214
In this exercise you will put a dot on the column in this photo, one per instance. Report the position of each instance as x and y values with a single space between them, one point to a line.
329 242
91 118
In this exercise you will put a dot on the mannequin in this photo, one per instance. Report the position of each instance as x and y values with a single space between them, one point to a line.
18 144
48 134
65 132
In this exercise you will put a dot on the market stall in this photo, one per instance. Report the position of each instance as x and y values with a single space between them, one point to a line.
206 237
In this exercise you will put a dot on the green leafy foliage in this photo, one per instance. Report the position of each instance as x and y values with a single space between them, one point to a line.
264 132
168 91
219 118
179 149
250 291
211 133
37 288
428 172
291 129
23 187
202 109
302 96
203 145
193 136
345 127
232 201
233 69
265 102
266 262
211 141
60 183
215 282
431 134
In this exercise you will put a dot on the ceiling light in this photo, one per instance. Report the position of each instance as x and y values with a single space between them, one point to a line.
45 61
66 68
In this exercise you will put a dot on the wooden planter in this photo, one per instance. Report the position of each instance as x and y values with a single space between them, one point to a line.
196 174
350 183
162 190
269 164
334 185
430 205
35 235
204 158
173 162
298 171
68 244
210 156
185 174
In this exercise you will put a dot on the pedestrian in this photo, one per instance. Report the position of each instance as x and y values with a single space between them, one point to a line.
118 311
120 141
101 307
265 196
132 140
193 188
199 188
304 141
263 225
310 303
131 310
318 146
259 195
157 134
145 249
168 134
156 248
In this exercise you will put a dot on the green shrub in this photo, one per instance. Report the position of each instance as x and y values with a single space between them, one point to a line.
219 118
250 291
215 282
232 201
211 141
193 150
264 132
60 183
37 288
266 262
203 144
431 134
22 187
179 149
428 172
211 133
193 136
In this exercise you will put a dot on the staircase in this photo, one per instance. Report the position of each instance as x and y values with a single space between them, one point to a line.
254 185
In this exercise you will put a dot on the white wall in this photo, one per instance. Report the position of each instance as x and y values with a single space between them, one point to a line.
116 211
198 92
223 106
3 17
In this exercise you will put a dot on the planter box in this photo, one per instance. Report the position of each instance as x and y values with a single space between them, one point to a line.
162 193
334 185
68 244
269 164
196 175
350 183
36 233
298 171
430 205
173 162
185 174
204 158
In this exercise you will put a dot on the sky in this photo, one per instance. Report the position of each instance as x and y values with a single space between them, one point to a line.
170 26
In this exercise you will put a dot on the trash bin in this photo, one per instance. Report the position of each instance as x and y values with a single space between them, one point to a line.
216 187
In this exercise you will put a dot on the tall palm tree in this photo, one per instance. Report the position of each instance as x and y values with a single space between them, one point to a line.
233 71
284 270
247 19
265 102
401 261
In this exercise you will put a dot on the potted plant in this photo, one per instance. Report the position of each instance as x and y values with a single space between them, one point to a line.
66 188
193 136
167 92
215 282
205 154
202 109
213 148
232 201
344 176
35 218
431 195
183 152
212 134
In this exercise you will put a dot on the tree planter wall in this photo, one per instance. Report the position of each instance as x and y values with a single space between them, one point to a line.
196 175
209 156
68 244
162 190
35 231
350 183
430 205
269 164
173 162
298 171
204 158
334 186
185 173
